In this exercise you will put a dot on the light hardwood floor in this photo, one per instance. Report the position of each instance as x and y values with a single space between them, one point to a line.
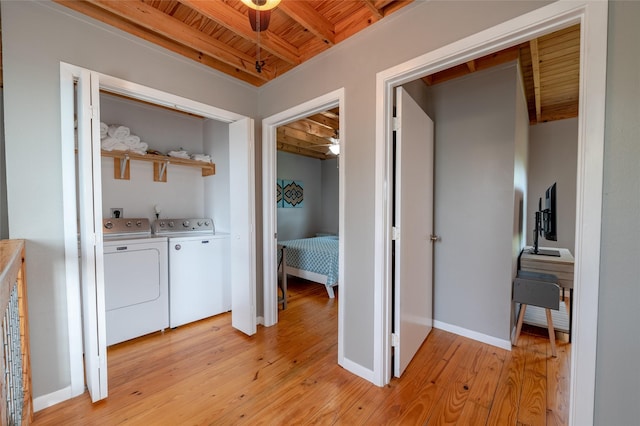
208 373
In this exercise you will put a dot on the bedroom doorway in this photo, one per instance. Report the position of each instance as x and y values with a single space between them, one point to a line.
299 223
593 19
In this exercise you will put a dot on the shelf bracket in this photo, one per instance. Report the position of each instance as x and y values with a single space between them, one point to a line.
160 171
121 168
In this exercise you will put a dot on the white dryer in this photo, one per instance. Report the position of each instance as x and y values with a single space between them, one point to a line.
198 269
135 279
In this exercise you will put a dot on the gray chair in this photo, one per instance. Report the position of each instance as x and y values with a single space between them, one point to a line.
536 289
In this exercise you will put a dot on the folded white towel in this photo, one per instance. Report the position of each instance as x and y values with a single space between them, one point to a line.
118 132
131 140
201 157
104 130
179 154
113 144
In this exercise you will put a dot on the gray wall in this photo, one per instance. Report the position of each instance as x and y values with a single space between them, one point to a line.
418 28
553 153
330 196
475 134
618 350
4 226
304 221
31 63
217 187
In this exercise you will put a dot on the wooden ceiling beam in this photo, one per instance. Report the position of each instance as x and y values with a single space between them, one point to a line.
118 22
304 14
535 65
377 14
322 119
238 23
154 20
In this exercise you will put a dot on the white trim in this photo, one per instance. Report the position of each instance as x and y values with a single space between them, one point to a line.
269 171
593 19
53 398
357 369
70 225
480 337
74 310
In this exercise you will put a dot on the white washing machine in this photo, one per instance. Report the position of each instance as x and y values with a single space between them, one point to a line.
198 269
135 279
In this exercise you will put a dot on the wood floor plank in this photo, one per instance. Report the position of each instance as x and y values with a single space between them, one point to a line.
209 373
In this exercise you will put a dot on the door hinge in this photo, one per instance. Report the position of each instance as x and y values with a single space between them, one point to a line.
395 340
395 233
396 123
93 112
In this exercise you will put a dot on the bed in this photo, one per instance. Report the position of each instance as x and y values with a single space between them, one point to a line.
314 259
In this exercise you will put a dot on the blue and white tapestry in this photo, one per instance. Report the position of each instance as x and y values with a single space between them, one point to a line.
279 199
292 193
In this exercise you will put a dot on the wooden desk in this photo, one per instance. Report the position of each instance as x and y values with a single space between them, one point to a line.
560 266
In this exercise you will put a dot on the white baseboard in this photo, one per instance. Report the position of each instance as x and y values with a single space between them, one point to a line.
260 320
357 369
489 340
53 398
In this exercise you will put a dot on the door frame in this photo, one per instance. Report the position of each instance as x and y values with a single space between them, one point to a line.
269 176
68 74
593 51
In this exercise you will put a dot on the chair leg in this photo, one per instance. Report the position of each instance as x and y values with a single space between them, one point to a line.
523 308
552 332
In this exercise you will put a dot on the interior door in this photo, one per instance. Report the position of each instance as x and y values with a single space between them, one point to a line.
413 249
242 220
90 213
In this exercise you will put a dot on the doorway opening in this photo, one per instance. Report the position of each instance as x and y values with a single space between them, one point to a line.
270 125
592 18
90 349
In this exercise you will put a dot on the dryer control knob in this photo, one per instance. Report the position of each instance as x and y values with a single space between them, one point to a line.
108 225
139 223
206 223
178 247
171 224
129 223
185 223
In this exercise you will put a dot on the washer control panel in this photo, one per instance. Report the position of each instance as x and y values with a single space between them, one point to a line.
126 226
183 225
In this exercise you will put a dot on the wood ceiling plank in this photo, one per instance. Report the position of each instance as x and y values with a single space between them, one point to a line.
535 64
293 135
160 23
116 21
304 14
238 23
353 24
312 128
332 122
301 151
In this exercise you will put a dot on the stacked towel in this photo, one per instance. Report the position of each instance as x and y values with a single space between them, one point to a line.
201 157
113 144
119 138
118 132
104 130
179 154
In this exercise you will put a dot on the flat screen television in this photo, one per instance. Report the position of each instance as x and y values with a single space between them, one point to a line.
546 222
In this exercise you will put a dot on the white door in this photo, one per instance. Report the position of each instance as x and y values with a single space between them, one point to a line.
413 249
90 211
242 223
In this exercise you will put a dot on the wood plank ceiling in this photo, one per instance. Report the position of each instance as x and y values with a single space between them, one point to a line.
218 34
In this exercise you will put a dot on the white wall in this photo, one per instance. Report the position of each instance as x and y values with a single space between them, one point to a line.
305 221
164 130
475 136
416 29
31 69
553 153
330 196
617 367
217 187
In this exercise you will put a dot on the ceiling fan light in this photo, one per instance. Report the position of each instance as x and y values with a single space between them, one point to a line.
335 149
261 5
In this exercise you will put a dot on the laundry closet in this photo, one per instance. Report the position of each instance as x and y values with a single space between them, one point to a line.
176 203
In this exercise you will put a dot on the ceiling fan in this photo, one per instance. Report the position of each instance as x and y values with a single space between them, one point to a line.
333 145
260 13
